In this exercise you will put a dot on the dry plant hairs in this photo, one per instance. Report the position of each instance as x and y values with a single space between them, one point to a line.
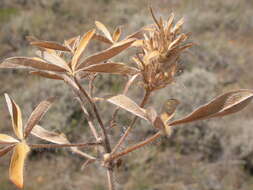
157 50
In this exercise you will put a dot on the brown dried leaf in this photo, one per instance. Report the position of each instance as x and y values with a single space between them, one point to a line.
113 68
103 29
6 139
17 164
16 116
116 34
158 122
169 109
102 38
50 136
5 150
106 54
127 104
27 62
49 75
49 45
37 115
55 60
56 138
225 104
80 49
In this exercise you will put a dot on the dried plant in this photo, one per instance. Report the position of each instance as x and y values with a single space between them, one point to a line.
158 49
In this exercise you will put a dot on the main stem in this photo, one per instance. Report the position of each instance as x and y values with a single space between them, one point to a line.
107 145
110 179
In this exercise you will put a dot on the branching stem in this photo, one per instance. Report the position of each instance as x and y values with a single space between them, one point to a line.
94 107
134 147
87 114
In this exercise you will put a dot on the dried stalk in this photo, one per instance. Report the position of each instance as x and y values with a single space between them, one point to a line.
134 147
110 179
107 145
64 145
94 107
88 115
89 119
91 86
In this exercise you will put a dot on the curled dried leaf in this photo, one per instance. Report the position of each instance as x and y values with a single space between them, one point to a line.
37 114
158 122
225 104
16 116
103 29
116 34
17 164
113 68
168 110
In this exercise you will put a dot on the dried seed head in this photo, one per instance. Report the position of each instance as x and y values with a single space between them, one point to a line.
161 50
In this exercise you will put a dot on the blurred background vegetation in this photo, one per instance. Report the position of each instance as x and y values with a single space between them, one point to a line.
209 155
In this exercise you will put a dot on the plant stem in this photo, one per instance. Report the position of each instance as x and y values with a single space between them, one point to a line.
94 107
89 119
80 92
63 145
110 179
134 147
88 115
123 138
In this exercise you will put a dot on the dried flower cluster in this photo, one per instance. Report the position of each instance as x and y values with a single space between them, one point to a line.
158 49
161 49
